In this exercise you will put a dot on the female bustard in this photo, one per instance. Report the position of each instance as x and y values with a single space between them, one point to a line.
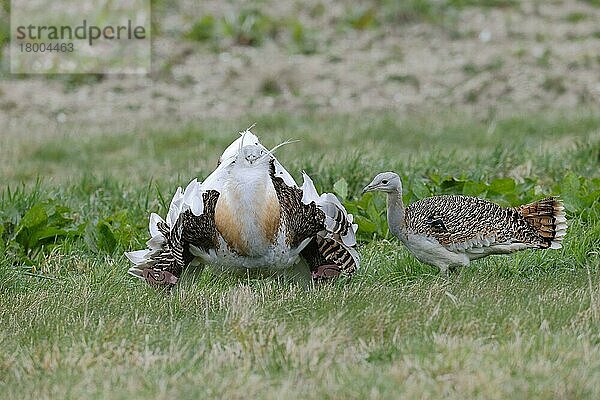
249 213
450 231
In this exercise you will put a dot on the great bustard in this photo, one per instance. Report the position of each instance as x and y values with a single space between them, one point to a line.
450 231
249 213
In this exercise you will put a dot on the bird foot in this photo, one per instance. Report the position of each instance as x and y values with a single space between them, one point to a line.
159 278
326 271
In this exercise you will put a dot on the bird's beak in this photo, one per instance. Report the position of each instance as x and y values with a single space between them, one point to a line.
367 188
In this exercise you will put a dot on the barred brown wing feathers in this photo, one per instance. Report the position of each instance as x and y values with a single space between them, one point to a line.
454 219
171 255
201 230
169 249
301 220
336 253
468 221
324 251
337 224
163 228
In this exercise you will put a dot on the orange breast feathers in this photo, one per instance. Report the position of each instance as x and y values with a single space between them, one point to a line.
249 222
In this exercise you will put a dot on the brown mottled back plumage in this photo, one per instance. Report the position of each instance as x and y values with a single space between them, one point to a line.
465 221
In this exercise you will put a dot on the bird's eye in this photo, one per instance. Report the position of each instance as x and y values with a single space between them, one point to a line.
385 181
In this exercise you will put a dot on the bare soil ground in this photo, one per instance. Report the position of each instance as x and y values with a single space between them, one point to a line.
524 56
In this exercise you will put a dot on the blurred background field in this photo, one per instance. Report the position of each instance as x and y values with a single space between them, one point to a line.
223 59
496 98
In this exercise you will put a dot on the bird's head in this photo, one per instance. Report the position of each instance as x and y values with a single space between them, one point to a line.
388 182
250 153
247 152
251 156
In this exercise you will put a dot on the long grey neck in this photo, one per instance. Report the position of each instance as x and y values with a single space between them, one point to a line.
395 214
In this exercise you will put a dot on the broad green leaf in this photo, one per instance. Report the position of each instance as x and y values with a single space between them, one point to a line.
341 188
502 185
452 185
435 178
366 199
26 237
35 216
100 237
419 189
105 238
351 207
472 188
570 188
49 232
373 213
58 217
511 199
365 226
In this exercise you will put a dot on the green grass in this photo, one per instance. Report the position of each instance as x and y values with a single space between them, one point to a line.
73 325
437 10
254 26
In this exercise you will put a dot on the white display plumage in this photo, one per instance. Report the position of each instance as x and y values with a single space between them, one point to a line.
248 213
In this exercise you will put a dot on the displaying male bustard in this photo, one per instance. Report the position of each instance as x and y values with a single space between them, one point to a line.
249 213
450 231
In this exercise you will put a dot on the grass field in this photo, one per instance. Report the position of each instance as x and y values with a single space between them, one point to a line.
74 325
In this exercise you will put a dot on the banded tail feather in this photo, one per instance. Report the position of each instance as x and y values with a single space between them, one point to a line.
548 218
